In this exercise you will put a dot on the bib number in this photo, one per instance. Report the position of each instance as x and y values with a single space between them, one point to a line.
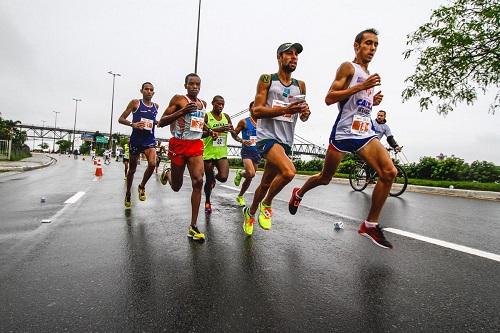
196 124
219 141
360 125
285 117
148 124
253 140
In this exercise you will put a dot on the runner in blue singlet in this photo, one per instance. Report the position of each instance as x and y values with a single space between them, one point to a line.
142 140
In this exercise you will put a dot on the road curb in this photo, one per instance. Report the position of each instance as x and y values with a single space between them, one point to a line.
29 168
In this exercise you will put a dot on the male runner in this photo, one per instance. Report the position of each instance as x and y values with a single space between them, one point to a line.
160 150
249 154
353 90
185 115
217 125
278 101
381 128
126 157
142 139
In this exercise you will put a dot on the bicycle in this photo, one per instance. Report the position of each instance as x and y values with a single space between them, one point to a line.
361 175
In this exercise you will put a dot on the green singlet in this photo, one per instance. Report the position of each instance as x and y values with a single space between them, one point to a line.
215 149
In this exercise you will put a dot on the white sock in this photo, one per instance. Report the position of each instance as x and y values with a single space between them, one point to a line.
370 224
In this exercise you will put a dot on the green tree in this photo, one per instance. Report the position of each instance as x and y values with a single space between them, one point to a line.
64 145
458 55
43 145
85 147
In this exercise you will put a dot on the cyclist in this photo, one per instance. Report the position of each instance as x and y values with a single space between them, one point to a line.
381 128
107 156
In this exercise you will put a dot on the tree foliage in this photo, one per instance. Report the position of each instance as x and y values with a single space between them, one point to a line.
64 145
458 55
9 131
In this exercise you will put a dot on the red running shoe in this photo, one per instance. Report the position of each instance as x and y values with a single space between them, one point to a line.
294 202
376 235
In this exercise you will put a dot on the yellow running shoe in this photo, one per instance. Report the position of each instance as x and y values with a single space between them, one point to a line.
237 178
128 203
266 213
142 193
248 221
240 200
195 234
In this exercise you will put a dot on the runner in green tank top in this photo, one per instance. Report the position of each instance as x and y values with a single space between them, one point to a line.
218 124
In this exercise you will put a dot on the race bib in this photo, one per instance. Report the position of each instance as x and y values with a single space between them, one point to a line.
219 141
360 125
196 124
253 140
286 117
148 124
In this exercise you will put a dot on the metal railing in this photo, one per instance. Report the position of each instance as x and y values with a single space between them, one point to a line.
5 149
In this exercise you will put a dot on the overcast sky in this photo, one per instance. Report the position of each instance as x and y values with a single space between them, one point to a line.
53 51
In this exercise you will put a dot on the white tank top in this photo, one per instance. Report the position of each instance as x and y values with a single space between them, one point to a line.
354 119
281 128
190 126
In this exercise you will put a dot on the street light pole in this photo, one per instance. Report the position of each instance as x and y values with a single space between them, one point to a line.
43 125
197 39
110 146
74 124
55 124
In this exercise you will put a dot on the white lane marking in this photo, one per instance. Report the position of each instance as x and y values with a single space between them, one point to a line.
74 198
453 246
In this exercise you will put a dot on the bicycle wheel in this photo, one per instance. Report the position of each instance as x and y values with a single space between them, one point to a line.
400 183
358 177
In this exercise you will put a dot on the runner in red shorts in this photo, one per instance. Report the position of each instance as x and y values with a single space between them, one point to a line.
185 115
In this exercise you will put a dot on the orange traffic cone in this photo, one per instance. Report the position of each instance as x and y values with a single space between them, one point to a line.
98 169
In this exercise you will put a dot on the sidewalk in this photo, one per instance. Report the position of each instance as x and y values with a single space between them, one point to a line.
36 161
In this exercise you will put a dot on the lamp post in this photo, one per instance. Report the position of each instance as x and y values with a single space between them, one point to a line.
74 124
55 124
112 104
43 125
197 39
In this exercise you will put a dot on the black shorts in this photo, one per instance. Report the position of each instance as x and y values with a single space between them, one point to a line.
251 155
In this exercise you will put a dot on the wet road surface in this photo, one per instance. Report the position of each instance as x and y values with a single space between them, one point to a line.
99 267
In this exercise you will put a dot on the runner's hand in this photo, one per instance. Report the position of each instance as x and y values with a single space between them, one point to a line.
295 107
371 81
377 98
247 143
139 125
190 107
304 115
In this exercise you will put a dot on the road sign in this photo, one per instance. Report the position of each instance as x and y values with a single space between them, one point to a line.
101 139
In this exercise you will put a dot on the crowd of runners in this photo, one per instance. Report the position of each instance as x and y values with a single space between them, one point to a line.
200 137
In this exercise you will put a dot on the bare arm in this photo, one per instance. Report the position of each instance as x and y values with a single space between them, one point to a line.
339 90
131 107
260 110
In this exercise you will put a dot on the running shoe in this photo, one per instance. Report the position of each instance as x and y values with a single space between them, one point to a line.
266 213
128 202
248 221
208 208
165 176
375 234
237 178
195 234
240 200
142 193
294 202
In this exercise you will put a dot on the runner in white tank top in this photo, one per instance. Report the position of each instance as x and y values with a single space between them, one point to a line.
353 90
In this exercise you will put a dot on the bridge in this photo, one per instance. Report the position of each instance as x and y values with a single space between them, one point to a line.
303 147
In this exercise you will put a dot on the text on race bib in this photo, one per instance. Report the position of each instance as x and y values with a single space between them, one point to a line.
196 124
286 117
360 125
148 124
219 141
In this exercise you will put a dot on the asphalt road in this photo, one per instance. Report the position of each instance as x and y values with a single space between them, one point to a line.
99 267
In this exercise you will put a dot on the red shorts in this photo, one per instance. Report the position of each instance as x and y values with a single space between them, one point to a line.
180 150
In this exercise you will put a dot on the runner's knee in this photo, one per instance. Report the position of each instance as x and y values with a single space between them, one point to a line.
388 174
249 174
197 182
